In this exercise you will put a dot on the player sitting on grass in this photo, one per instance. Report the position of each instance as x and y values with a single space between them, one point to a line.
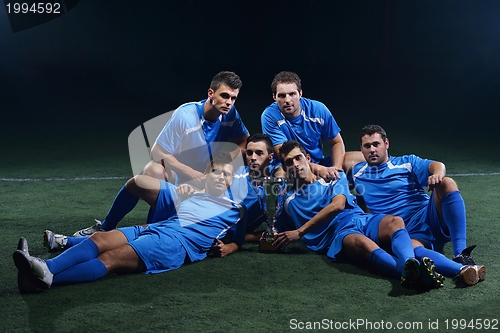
396 185
158 247
327 219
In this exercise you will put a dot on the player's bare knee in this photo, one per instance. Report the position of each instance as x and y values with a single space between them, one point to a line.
99 239
155 170
392 223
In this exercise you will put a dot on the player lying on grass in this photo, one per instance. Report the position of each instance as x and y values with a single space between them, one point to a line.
327 219
396 185
163 197
155 248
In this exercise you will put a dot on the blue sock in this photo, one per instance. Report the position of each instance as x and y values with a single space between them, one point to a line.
85 251
445 266
72 241
453 208
83 272
124 202
384 262
402 247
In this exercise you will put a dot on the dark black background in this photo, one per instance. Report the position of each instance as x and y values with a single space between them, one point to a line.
425 67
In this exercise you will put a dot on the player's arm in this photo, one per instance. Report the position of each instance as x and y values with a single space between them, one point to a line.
169 162
242 143
337 156
437 171
222 249
324 216
337 151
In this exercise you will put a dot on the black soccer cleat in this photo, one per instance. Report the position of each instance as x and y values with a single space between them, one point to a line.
464 258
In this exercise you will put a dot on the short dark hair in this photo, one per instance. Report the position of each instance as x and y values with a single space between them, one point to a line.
289 145
286 77
372 129
229 79
220 158
258 137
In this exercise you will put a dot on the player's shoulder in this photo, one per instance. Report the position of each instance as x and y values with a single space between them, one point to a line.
188 111
358 166
271 110
312 104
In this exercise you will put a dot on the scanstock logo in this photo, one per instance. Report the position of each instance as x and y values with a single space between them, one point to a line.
140 143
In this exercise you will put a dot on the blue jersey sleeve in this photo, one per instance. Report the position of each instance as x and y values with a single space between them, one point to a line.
330 129
269 119
238 129
183 118
420 167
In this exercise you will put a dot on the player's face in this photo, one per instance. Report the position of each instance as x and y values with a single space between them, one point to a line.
288 96
296 164
219 179
257 157
374 149
223 99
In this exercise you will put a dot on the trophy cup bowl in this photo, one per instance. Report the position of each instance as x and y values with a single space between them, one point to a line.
271 187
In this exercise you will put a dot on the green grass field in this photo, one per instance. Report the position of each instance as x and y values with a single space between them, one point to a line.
245 292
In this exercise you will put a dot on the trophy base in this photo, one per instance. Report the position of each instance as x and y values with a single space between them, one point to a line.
266 247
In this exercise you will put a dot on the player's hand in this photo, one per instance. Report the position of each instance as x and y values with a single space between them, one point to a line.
329 173
282 239
220 249
185 191
434 180
196 178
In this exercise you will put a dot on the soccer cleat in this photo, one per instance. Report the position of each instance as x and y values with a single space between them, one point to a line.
411 274
464 258
430 278
90 230
471 274
22 245
54 242
24 283
35 269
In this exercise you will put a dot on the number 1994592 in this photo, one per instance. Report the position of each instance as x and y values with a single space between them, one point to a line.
35 8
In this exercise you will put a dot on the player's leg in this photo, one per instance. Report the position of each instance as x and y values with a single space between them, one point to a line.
138 187
357 246
466 274
77 264
155 170
392 229
450 207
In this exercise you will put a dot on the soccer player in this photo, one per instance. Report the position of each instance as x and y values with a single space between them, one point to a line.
325 217
396 186
258 155
196 131
293 117
156 248
163 197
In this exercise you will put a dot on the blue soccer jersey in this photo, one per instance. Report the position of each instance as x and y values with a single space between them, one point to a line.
314 124
301 206
192 139
394 188
199 221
